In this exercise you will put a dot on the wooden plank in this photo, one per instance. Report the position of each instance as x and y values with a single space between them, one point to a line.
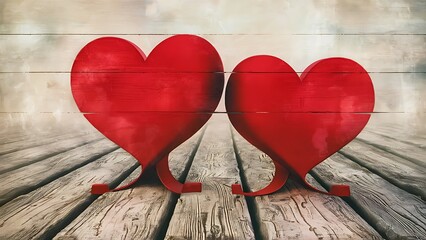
416 140
364 49
214 213
15 160
295 212
402 124
14 134
397 170
18 126
158 17
28 178
412 153
40 214
36 141
393 212
141 212
392 94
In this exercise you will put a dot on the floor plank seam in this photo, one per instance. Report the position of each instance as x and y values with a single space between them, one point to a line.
55 229
55 176
392 181
44 157
413 160
396 139
251 204
175 197
353 204
52 138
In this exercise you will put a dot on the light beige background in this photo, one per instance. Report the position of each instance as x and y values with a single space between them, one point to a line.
39 40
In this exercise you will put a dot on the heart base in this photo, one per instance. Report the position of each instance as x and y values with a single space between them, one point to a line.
162 173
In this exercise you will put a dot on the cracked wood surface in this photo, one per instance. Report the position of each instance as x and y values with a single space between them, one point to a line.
295 212
141 212
25 179
393 212
215 213
412 153
27 156
40 213
398 171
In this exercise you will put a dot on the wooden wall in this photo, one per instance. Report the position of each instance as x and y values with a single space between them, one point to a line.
39 40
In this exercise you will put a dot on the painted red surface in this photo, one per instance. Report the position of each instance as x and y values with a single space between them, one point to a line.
298 121
148 105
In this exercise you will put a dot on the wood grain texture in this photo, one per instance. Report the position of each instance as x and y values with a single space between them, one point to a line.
412 153
214 213
10 135
376 53
51 92
397 170
417 140
137 213
17 127
28 178
160 17
42 212
32 141
296 212
27 156
393 212
400 125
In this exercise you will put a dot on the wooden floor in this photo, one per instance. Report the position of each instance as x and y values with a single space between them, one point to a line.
46 178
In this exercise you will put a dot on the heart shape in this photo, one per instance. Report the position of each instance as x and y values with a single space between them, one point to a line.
148 105
299 121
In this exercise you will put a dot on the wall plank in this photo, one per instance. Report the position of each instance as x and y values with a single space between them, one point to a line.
376 53
221 16
51 92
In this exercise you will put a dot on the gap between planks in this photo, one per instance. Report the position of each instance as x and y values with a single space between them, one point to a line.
393 212
142 212
25 157
28 178
295 212
396 170
45 211
215 213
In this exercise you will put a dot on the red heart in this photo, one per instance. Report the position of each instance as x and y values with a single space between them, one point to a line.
148 106
299 121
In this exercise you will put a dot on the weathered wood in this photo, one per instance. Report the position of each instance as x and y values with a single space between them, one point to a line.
187 16
141 212
14 134
40 214
361 48
296 212
21 125
396 101
397 170
415 154
417 140
28 178
27 156
36 141
214 213
393 212
402 126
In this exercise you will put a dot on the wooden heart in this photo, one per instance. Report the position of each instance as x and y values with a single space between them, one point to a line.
299 121
148 105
